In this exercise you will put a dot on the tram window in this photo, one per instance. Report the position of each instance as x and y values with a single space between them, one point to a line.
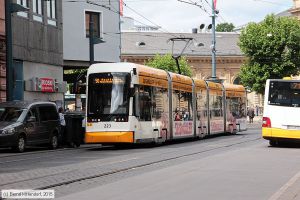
182 106
236 105
201 104
159 102
216 106
145 103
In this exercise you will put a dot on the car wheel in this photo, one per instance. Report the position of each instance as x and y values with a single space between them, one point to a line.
21 143
54 142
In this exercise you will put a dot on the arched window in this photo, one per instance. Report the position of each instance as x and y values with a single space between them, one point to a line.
237 81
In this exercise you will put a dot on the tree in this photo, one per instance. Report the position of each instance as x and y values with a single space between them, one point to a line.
273 51
166 62
225 27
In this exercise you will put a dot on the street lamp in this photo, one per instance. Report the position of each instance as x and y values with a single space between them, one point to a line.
213 48
10 8
213 27
93 40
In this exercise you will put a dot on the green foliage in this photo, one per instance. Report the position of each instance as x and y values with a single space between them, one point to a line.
225 27
166 62
273 51
76 71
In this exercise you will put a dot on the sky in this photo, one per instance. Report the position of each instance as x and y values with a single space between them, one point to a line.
175 16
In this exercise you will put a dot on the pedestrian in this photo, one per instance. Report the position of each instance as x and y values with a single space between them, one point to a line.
251 114
62 122
256 110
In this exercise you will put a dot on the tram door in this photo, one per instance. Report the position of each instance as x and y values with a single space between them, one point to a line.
148 125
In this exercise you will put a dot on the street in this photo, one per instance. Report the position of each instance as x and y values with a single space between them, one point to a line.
241 166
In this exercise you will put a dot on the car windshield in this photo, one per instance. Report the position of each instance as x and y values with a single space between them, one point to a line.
10 114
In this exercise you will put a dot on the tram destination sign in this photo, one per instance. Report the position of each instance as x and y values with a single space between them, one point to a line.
114 80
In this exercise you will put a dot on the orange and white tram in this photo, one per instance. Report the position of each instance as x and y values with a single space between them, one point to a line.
131 103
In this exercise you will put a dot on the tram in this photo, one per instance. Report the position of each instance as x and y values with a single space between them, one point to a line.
131 103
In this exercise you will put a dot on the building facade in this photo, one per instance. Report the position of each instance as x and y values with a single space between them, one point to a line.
295 11
38 51
106 24
104 17
2 53
138 47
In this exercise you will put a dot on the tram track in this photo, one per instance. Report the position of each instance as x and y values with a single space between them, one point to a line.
50 153
44 151
44 154
123 169
138 166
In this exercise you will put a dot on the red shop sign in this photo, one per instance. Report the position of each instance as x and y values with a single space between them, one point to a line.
47 84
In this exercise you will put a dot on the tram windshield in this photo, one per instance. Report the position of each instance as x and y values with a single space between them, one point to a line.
283 93
108 96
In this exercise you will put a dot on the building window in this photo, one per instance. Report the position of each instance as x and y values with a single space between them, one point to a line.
95 18
51 12
237 81
37 8
23 3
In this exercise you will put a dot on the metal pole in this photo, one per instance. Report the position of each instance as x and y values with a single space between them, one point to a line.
9 56
177 63
91 39
213 49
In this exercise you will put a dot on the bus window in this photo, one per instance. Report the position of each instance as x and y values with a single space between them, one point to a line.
284 94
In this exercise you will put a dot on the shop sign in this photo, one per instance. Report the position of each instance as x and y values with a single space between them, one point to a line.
46 85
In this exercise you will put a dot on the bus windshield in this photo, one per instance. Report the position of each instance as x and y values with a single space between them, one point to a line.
282 93
108 96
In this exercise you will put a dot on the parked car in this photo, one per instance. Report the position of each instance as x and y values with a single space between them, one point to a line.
28 123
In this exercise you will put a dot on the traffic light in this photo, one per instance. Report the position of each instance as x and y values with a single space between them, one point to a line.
78 88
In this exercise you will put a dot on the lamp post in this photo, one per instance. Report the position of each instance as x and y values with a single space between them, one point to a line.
93 40
10 8
213 46
213 26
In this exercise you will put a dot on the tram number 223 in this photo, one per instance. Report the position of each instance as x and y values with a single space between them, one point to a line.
107 125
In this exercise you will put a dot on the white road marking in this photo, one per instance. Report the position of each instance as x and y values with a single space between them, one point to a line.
285 187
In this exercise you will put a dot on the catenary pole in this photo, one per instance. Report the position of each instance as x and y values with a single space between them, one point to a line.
213 47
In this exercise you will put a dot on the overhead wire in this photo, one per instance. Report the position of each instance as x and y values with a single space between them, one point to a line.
113 9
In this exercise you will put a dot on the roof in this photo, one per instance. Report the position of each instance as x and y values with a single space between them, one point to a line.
285 13
24 104
237 88
159 43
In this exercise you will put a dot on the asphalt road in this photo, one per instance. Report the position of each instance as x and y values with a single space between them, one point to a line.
240 166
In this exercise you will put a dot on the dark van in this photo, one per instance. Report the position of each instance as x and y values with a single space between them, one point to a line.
28 123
